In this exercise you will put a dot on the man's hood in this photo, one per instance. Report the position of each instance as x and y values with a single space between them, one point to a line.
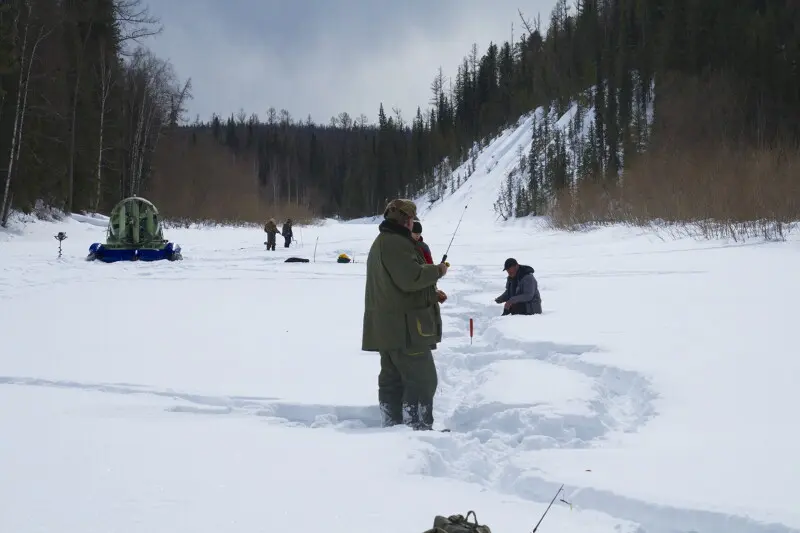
390 226
524 270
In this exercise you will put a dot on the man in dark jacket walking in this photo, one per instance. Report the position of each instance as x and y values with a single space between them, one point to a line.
402 319
521 296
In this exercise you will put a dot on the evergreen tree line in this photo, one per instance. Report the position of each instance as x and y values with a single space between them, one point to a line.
566 150
622 68
686 80
82 105
621 64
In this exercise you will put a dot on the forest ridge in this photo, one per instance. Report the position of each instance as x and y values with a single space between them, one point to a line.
88 116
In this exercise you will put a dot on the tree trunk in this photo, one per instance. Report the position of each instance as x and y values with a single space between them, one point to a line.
146 125
5 207
74 119
274 177
105 89
137 142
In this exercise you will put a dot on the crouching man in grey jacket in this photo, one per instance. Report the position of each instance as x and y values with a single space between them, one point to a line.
521 296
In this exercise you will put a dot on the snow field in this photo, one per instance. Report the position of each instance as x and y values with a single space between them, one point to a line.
657 385
227 392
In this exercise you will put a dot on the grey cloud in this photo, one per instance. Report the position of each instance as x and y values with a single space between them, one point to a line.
322 57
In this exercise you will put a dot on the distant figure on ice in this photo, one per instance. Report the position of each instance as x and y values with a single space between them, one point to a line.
521 296
287 232
271 228
402 319
416 233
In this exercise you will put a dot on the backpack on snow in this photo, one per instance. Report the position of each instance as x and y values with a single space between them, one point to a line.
458 524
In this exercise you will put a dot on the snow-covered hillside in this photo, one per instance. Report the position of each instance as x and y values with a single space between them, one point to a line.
228 392
517 172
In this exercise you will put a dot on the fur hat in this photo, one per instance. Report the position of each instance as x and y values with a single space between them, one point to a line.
400 206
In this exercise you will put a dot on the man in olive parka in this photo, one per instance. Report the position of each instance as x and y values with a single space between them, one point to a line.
271 228
402 319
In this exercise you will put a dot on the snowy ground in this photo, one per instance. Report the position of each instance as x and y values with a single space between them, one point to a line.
228 393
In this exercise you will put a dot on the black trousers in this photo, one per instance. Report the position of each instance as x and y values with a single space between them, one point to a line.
270 241
516 309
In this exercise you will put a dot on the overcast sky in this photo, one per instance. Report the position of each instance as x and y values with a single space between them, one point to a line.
322 57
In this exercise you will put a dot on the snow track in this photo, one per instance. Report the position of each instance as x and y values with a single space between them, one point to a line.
282 413
490 439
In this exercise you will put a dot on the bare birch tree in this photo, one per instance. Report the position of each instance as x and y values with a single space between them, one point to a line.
136 23
398 117
7 66
106 73
154 101
81 51
25 66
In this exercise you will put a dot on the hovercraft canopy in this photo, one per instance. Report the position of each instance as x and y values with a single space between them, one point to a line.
134 234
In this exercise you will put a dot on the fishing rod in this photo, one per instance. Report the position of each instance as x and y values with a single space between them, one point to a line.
539 523
444 258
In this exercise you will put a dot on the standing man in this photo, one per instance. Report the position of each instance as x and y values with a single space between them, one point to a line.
271 228
402 319
521 296
287 233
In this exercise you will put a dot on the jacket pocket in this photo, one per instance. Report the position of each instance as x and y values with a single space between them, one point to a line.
422 329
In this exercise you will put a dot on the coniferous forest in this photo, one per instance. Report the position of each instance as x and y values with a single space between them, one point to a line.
680 110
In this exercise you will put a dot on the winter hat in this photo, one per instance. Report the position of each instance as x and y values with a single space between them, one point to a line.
400 206
417 227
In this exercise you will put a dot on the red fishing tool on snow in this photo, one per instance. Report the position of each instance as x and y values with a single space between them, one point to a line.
471 331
